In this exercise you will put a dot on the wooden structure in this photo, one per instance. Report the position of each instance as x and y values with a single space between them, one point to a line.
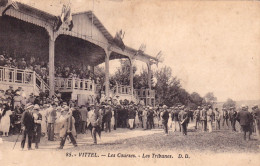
96 43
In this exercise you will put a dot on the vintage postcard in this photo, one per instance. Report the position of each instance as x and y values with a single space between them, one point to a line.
129 82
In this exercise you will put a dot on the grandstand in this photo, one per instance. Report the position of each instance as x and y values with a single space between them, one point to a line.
38 57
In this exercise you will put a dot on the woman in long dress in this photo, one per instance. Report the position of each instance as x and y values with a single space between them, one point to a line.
113 120
155 119
137 123
170 122
5 120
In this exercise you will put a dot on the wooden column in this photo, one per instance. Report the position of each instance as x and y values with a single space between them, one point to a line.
148 99
51 66
131 77
149 76
107 72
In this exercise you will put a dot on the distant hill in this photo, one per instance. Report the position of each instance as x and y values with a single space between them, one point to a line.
249 103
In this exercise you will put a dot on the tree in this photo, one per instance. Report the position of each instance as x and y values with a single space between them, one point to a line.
141 81
196 99
167 87
122 75
209 99
229 103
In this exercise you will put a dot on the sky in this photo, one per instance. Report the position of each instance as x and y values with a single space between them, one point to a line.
211 46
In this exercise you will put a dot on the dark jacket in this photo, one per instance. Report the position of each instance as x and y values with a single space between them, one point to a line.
183 117
165 116
27 120
244 118
108 115
131 114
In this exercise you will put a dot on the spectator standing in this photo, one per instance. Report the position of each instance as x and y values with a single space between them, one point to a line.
203 118
183 117
217 119
244 119
51 117
5 120
84 115
27 122
165 117
37 126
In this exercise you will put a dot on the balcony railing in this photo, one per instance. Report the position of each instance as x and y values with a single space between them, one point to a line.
13 75
122 89
143 93
74 84
140 93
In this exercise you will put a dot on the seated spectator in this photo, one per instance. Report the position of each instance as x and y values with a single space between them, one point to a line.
22 64
2 60
14 63
9 93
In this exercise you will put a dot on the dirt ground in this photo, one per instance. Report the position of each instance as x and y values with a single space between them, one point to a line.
136 142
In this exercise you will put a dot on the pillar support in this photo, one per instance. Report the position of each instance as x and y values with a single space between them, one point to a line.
51 66
52 38
131 76
108 52
149 75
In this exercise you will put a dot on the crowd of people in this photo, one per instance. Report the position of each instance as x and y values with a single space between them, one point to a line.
56 119
51 117
40 66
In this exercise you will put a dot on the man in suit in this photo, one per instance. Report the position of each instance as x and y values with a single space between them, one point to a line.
203 118
116 109
217 119
244 118
209 117
37 126
67 123
131 116
94 122
51 117
232 117
197 117
165 117
175 120
225 117
107 118
84 115
183 117
27 123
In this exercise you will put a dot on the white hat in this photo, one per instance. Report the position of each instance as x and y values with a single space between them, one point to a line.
28 106
36 107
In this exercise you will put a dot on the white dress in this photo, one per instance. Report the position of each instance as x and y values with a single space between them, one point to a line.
5 122
44 120
136 119
113 120
170 122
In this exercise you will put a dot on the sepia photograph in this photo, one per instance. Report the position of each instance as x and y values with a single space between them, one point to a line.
129 82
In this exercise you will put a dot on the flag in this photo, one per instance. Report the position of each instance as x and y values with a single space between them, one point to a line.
8 4
65 18
159 58
141 49
118 39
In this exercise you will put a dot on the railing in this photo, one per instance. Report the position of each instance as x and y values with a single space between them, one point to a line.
40 83
143 93
74 83
26 77
13 75
138 93
122 89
